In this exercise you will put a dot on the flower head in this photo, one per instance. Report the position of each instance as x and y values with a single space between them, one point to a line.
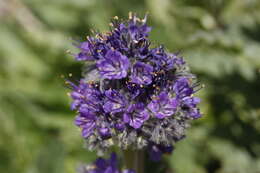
137 94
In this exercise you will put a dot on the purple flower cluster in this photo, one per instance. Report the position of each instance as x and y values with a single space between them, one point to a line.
133 94
104 166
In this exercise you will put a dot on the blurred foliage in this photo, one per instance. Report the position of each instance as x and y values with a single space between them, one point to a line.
219 38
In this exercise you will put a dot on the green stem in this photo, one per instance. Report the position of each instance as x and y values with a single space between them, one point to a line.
134 159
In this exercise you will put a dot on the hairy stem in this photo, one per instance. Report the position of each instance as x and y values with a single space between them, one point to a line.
134 159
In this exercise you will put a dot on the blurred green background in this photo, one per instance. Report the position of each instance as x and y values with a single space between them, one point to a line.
219 38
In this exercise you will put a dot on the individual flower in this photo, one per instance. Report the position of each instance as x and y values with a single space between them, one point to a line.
141 73
110 165
134 90
182 87
86 121
113 66
160 58
85 53
189 106
163 106
138 32
136 115
115 102
85 96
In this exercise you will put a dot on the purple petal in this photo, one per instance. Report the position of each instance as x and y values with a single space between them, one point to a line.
113 66
115 102
141 73
136 115
162 106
